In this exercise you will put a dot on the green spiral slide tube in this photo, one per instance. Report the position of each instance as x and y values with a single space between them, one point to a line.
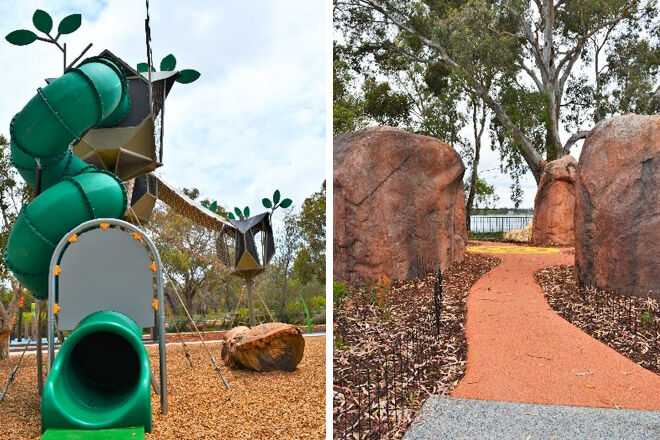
91 95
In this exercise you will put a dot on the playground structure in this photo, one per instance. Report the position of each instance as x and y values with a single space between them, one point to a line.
86 143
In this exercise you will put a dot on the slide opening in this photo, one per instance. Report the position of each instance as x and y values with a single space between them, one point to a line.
104 370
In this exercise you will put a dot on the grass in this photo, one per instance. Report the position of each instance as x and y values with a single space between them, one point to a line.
486 236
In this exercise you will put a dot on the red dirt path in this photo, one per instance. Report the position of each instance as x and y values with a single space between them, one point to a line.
520 350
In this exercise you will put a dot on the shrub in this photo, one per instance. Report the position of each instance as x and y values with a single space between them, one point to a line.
338 292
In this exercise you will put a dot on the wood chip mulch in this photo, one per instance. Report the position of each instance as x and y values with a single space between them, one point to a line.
629 325
273 405
389 356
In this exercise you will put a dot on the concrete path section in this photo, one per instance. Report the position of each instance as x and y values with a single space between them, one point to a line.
462 419
520 350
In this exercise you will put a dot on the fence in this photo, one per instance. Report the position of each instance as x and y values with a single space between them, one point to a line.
376 393
487 223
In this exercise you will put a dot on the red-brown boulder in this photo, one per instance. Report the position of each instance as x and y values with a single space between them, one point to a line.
399 207
617 210
266 347
555 203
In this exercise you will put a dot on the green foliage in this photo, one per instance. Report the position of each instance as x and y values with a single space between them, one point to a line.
316 302
493 51
384 104
21 37
42 21
646 317
484 194
310 262
14 193
338 292
347 108
69 24
168 63
486 236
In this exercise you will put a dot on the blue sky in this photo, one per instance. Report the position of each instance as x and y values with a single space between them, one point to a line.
253 122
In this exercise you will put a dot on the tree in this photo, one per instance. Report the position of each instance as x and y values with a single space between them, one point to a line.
309 263
14 193
484 194
288 246
188 255
529 48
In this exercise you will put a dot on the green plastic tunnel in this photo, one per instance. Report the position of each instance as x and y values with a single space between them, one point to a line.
94 94
100 378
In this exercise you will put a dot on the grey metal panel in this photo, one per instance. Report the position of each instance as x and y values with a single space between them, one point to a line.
105 269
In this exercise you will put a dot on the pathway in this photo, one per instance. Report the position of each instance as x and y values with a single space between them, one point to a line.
469 419
520 350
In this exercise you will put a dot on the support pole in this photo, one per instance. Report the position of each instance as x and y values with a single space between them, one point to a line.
40 365
250 294
19 336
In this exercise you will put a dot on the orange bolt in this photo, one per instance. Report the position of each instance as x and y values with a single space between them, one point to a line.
104 225
153 266
57 270
73 238
137 236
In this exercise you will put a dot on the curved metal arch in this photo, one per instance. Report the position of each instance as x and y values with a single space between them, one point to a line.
52 290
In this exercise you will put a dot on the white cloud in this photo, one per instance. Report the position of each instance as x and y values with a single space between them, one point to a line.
253 122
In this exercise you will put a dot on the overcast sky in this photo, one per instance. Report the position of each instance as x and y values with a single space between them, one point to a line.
253 122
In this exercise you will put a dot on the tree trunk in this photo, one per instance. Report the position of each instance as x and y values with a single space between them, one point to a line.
552 140
478 132
7 318
4 343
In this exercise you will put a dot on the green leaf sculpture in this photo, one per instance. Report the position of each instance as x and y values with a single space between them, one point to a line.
246 212
42 21
230 216
276 196
168 63
214 206
21 37
143 67
286 203
238 212
186 76
267 203
69 24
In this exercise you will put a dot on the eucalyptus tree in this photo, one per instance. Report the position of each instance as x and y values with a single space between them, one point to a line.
519 57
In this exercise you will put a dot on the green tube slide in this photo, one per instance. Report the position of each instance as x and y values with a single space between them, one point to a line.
91 95
100 378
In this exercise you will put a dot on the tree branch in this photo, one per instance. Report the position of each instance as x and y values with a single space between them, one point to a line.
581 41
532 75
530 154
572 140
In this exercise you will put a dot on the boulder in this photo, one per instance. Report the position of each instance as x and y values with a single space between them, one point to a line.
555 203
399 207
266 347
617 210
523 235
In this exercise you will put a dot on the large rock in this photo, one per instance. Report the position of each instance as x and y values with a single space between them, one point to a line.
555 203
617 210
399 207
266 347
